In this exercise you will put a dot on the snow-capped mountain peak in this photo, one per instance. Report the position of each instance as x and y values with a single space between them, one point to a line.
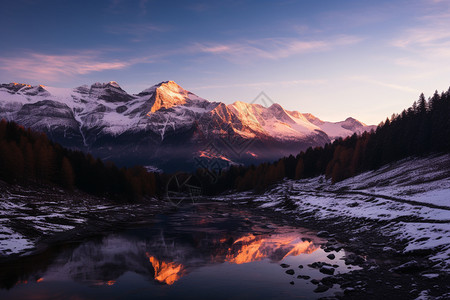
168 94
25 89
313 119
351 123
169 86
109 91
114 84
111 123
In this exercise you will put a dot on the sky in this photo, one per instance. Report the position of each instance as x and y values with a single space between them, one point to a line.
334 59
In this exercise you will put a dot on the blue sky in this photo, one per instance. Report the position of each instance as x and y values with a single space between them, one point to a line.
366 59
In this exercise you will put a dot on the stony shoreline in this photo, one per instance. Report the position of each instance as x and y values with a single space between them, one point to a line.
386 272
36 218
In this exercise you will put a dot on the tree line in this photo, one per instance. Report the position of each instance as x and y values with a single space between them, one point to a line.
421 129
27 156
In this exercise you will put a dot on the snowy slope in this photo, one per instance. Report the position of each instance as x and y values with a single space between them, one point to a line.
339 129
272 121
411 196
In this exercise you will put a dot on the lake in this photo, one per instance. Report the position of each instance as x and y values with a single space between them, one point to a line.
197 251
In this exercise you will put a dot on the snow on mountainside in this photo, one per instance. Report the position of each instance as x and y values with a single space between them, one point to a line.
273 121
102 116
108 106
339 129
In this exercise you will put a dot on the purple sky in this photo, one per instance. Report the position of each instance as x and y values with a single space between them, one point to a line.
366 59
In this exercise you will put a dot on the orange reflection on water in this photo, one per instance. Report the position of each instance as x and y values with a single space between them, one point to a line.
22 282
166 272
251 248
110 282
101 282
302 248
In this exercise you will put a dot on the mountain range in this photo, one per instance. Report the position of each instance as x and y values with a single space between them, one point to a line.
166 126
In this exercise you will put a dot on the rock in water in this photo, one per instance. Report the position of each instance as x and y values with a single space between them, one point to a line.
327 270
290 272
321 288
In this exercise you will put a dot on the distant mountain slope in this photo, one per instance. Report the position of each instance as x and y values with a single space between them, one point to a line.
165 125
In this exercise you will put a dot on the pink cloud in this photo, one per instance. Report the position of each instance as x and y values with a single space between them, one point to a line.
272 48
386 84
55 67
427 44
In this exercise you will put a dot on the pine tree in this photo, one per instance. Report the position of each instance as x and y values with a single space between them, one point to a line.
299 169
67 175
422 104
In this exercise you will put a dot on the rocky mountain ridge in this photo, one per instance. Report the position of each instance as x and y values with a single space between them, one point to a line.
165 125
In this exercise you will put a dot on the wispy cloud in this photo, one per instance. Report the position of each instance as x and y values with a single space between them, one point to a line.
386 84
285 83
137 31
57 67
429 40
424 37
303 29
273 48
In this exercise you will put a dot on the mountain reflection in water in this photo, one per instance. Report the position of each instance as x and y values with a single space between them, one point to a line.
166 272
246 249
171 248
275 247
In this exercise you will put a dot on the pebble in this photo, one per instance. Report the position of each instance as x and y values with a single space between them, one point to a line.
409 267
349 290
329 281
290 272
327 270
353 259
318 264
321 288
389 250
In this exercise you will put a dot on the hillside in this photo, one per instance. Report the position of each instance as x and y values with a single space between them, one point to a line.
29 158
396 218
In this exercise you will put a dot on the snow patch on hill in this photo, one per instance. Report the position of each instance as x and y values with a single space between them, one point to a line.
412 196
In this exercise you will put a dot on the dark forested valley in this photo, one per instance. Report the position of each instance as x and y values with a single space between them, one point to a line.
423 128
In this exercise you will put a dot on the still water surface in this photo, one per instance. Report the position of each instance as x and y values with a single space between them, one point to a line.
200 251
